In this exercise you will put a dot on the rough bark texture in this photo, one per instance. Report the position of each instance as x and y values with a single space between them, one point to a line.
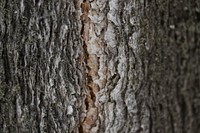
99 66
42 82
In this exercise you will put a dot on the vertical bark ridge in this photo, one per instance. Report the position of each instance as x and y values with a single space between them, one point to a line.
41 41
95 69
90 109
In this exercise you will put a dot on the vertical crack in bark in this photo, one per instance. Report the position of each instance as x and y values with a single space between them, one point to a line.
89 123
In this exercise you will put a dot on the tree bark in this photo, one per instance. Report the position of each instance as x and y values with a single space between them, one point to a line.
99 66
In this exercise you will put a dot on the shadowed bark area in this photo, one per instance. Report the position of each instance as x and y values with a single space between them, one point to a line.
172 79
99 66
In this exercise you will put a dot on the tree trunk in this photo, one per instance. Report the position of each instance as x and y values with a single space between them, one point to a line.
99 66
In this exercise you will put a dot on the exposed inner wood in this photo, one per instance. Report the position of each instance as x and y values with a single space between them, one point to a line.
91 62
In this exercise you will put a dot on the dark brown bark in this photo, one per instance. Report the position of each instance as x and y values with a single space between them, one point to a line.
99 66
